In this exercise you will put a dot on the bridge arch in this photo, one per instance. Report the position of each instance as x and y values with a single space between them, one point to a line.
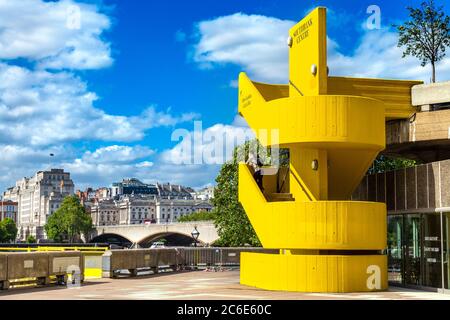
111 238
138 233
173 239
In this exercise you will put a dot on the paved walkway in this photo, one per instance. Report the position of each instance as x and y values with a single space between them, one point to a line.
199 285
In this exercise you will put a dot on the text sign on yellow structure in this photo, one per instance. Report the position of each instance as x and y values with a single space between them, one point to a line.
308 55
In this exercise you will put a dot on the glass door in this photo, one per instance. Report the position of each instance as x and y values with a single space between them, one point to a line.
395 249
412 249
432 255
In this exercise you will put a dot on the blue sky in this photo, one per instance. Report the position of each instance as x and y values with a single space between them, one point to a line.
105 96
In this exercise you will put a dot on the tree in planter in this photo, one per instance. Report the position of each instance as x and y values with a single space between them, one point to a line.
8 230
426 35
68 222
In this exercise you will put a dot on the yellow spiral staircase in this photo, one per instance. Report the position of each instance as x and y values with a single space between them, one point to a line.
334 128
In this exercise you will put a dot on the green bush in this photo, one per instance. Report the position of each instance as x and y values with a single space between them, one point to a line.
31 239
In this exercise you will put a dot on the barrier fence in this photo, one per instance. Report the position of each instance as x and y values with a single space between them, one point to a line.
42 268
133 261
44 265
92 254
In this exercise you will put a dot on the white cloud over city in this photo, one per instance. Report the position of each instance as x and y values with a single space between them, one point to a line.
46 107
257 44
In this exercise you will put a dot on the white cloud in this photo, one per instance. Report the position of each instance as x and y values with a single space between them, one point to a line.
23 161
42 108
258 45
117 154
42 32
109 164
213 145
47 108
212 148
377 56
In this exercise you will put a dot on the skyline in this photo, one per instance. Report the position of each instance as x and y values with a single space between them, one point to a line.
106 95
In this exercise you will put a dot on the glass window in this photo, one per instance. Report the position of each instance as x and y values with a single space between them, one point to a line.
446 245
432 275
395 252
413 252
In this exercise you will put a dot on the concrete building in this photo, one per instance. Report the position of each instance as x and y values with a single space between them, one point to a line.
170 210
417 198
134 186
105 213
174 191
37 198
8 209
137 209
204 194
144 209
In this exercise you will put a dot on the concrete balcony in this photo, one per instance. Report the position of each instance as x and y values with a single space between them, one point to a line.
425 136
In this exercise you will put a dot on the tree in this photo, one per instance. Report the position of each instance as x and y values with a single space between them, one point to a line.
31 239
426 35
198 216
232 223
69 221
8 230
383 164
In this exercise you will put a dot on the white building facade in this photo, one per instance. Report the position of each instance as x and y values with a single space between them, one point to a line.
38 197
144 209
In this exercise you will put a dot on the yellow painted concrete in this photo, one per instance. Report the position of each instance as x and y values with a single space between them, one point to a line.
312 273
337 124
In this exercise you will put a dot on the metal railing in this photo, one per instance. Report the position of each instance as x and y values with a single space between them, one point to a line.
116 261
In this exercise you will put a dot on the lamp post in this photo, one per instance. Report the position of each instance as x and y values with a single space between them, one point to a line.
195 234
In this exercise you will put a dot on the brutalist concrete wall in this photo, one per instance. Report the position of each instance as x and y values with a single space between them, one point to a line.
423 188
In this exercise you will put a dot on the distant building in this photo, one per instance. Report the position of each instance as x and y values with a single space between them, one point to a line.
89 197
144 209
174 191
165 190
135 202
37 198
204 194
86 196
8 209
132 186
105 213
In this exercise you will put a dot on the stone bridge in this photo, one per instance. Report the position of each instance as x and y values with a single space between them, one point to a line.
145 234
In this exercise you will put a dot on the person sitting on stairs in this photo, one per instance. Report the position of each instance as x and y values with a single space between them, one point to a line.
256 164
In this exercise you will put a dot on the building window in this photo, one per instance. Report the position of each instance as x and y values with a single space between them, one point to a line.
415 242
